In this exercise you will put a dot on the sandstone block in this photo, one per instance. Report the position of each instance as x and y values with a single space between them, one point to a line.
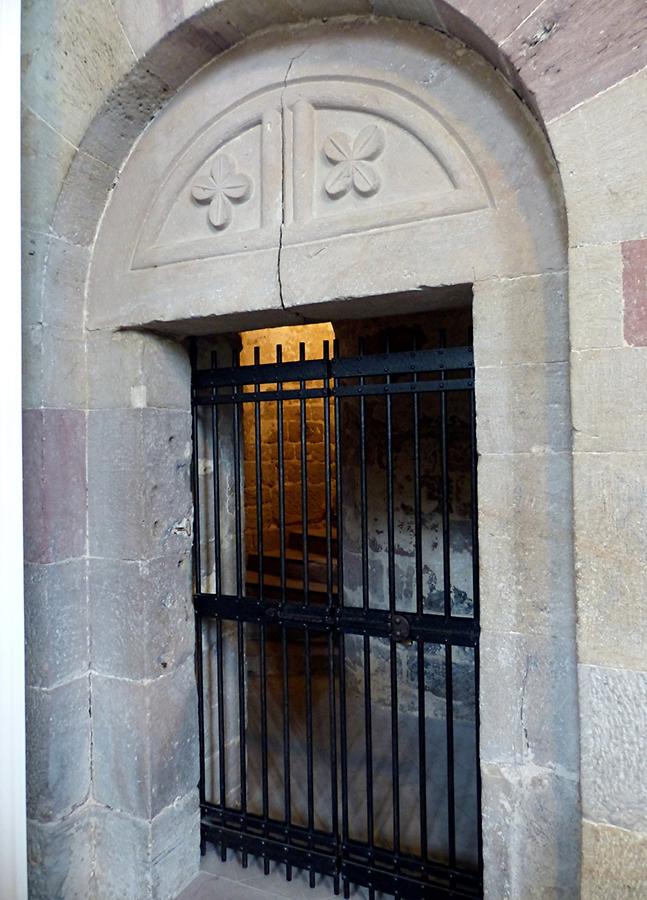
611 554
58 749
83 199
522 320
634 285
613 721
526 543
141 616
599 150
595 296
523 678
54 369
564 54
607 417
152 726
71 53
614 863
523 408
56 622
59 856
531 833
54 484
46 158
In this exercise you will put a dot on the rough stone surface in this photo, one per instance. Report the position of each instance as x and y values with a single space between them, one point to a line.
606 415
54 369
56 622
81 202
615 863
146 370
528 676
535 398
611 553
634 284
613 707
64 286
46 158
175 847
600 152
595 296
523 320
141 616
58 748
71 51
59 855
525 543
531 833
54 484
153 726
128 449
566 52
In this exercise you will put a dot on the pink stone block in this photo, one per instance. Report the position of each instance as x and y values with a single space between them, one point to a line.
634 288
54 484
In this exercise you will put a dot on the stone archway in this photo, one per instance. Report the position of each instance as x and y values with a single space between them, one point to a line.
493 220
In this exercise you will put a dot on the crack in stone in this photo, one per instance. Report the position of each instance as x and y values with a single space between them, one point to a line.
292 61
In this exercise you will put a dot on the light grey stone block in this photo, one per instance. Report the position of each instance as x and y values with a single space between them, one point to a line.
35 249
522 678
526 543
605 417
521 320
59 857
46 158
147 860
72 53
64 286
141 616
531 833
599 148
175 847
166 373
613 716
595 296
131 455
614 863
82 199
54 369
611 555
58 749
523 408
56 622
145 741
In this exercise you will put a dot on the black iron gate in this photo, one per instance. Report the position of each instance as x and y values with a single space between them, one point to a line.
338 666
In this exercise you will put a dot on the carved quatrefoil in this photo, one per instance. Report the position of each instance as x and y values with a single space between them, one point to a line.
352 162
222 188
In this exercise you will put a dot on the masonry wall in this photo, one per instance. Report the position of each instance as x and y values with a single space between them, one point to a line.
94 74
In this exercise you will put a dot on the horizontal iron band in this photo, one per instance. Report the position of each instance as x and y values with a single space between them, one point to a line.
414 361
457 630
349 390
277 830
325 863
391 883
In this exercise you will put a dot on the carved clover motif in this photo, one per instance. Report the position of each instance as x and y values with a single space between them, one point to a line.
223 187
352 168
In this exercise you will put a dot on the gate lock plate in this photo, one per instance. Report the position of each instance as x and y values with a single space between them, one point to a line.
400 628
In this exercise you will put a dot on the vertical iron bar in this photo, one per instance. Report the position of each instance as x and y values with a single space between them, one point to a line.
304 482
199 662
422 737
332 703
449 691
287 800
262 626
368 726
343 737
240 626
476 609
395 762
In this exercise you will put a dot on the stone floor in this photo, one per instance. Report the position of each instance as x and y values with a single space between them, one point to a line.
229 881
